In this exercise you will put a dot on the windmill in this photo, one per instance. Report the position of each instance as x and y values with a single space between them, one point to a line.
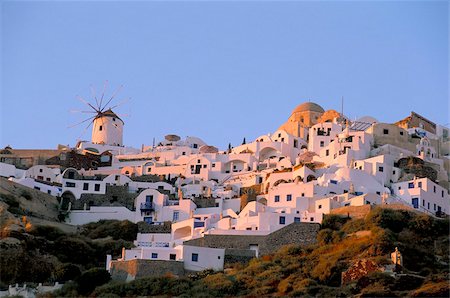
107 126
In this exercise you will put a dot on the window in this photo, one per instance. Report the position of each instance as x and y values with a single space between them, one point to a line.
303 194
327 152
289 198
434 207
401 133
423 202
411 185
85 186
380 169
154 255
37 188
434 188
428 204
282 220
204 166
114 119
295 143
183 153
97 187
100 128
194 257
195 146
70 184
172 257
322 143
40 171
311 218
149 170
49 192
71 174
319 207
279 135
385 131
277 198
213 165
419 184
198 160
296 219
393 172
399 187
282 139
176 215
148 199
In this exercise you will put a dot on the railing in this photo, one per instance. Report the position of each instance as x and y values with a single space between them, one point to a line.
199 224
147 206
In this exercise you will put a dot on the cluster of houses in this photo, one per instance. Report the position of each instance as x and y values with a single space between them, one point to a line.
315 162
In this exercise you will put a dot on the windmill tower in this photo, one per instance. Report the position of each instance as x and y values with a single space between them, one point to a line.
107 126
107 129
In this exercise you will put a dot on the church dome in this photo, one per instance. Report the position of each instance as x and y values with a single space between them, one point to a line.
308 107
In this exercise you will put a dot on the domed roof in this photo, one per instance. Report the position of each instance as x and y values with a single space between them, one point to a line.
308 106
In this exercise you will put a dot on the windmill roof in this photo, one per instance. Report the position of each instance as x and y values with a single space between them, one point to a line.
108 113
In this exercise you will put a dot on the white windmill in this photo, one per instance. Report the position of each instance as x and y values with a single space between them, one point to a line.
107 126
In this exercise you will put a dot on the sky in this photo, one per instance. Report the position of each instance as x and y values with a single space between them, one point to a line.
217 70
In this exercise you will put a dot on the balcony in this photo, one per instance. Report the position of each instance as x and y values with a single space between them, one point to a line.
147 206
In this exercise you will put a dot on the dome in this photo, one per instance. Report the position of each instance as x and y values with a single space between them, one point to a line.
308 107
208 149
172 138
367 119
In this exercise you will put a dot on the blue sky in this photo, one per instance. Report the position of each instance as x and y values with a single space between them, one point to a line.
219 70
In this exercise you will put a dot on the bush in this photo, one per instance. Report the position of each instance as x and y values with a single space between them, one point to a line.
324 236
91 279
395 220
125 230
333 221
25 194
49 232
66 272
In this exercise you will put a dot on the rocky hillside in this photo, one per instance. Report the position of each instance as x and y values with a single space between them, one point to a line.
351 259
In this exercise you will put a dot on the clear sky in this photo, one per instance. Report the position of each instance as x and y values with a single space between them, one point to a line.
217 70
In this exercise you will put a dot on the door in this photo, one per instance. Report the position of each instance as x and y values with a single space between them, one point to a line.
197 169
415 202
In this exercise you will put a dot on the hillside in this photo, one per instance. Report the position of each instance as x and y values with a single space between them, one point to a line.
36 247
361 245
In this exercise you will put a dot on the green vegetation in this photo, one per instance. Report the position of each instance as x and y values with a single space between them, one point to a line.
46 254
315 271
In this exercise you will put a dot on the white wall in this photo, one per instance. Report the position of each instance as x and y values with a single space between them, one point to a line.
208 258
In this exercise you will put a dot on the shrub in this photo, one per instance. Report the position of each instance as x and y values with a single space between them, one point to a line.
354 225
25 194
333 221
385 218
90 279
49 232
125 230
66 272
324 236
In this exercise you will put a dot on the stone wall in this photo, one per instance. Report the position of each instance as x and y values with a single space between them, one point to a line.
116 195
352 211
135 269
295 233
238 256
